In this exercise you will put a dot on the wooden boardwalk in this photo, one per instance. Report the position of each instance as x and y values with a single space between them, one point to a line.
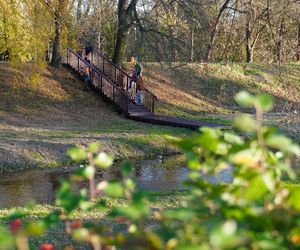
112 83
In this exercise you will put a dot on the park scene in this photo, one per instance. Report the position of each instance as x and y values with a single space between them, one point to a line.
149 124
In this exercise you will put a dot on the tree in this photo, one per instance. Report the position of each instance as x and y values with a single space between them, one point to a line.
14 35
126 14
97 25
59 12
214 30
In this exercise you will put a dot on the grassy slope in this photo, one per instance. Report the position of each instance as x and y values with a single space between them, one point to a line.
41 117
205 91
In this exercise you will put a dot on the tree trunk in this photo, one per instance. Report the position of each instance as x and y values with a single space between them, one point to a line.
58 26
279 42
120 47
249 49
79 10
57 43
6 53
192 45
298 47
125 16
213 35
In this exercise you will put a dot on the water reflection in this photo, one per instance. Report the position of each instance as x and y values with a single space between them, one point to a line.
39 185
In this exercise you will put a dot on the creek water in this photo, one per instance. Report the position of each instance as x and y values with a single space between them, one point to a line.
156 175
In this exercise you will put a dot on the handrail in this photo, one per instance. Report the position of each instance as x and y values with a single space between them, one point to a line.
96 70
112 63
114 76
120 69
104 84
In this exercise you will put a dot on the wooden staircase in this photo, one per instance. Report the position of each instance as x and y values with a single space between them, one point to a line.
112 82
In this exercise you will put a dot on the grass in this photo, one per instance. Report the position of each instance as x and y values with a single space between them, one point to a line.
42 115
61 239
205 91
41 120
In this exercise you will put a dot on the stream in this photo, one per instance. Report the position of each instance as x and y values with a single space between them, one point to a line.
155 175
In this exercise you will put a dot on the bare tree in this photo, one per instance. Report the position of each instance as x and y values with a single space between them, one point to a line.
255 24
214 30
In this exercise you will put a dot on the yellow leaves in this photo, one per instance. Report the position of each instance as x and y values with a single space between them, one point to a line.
249 158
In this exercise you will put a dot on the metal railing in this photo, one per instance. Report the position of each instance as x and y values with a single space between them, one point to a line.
99 81
119 77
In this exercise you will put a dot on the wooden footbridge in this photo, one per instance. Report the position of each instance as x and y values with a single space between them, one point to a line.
112 82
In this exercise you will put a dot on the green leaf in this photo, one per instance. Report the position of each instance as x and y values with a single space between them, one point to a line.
256 190
129 184
81 234
225 236
245 123
114 189
294 149
278 141
37 228
103 160
94 147
283 143
77 154
209 139
89 172
265 101
244 99
295 198
6 239
136 210
233 139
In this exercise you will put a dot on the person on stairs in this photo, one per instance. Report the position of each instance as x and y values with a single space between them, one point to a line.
137 72
85 75
139 93
88 53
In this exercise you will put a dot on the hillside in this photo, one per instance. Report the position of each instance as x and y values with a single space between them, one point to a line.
42 116
206 91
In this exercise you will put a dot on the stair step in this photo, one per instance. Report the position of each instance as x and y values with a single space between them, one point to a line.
139 108
133 106
138 113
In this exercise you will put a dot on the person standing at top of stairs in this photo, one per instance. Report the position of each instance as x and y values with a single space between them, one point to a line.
136 77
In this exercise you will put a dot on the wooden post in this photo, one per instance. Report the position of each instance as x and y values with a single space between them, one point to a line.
68 56
113 93
153 103
101 85
127 104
